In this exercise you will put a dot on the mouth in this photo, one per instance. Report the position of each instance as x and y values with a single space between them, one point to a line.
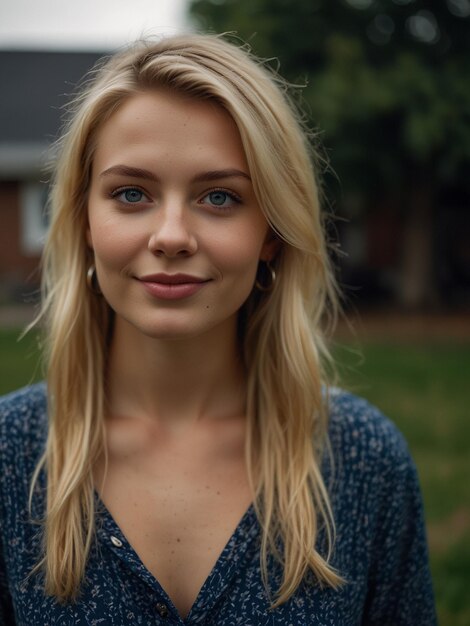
172 279
172 286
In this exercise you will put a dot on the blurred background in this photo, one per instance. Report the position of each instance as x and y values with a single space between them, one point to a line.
384 85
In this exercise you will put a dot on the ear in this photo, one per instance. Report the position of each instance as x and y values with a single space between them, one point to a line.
271 246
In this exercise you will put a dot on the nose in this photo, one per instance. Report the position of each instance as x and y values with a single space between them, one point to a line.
172 233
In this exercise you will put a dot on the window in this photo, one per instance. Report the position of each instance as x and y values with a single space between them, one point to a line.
34 221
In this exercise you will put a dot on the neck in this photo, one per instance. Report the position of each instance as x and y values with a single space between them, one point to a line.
175 381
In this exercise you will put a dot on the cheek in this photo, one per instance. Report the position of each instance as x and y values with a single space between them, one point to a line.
238 260
113 243
240 247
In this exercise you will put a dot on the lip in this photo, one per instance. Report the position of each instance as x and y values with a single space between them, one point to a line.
172 286
172 279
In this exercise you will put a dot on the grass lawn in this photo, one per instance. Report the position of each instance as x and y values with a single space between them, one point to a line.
422 387
19 360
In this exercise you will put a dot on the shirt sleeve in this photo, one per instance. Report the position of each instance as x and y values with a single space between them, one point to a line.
7 617
400 587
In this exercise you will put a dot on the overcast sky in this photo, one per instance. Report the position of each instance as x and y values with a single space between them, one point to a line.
86 24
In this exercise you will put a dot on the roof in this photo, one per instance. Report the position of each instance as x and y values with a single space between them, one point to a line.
35 87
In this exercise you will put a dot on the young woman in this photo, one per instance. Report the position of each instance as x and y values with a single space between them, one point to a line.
187 462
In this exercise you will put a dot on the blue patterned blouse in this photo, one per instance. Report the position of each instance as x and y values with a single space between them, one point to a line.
380 550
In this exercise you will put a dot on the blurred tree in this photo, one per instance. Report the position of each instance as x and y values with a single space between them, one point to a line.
388 83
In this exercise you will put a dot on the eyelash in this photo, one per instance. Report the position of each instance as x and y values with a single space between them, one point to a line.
117 192
230 194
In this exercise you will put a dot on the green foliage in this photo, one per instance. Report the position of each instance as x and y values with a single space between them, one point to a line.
387 83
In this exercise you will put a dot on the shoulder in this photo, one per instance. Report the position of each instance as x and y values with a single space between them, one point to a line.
378 513
371 463
372 478
24 407
358 429
374 488
23 422
23 433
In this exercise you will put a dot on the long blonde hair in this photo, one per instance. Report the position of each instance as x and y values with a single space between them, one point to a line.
280 331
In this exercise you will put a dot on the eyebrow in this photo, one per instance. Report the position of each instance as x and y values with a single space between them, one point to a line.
137 172
133 172
217 174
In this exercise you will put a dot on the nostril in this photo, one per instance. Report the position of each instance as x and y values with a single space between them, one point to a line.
172 242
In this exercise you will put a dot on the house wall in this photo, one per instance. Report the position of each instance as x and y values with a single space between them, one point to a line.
19 275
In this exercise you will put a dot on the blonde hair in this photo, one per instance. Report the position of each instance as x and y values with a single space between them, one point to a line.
279 330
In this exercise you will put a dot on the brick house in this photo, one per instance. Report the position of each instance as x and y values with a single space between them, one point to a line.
35 87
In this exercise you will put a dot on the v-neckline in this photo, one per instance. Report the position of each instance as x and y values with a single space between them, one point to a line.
227 564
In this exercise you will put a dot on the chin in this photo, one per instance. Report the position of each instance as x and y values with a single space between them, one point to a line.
168 329
161 331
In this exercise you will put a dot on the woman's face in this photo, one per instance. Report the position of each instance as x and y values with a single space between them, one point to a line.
174 224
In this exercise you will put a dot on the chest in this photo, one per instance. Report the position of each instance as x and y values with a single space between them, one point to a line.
178 507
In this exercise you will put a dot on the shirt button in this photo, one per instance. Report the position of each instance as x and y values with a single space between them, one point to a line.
116 542
162 609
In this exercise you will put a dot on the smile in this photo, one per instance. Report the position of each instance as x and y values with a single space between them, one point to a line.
172 286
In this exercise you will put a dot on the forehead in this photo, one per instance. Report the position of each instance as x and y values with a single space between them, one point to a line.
168 125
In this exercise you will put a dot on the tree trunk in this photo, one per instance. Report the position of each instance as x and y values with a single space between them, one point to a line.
416 286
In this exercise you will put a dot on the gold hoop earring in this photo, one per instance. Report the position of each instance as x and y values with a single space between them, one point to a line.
270 284
92 281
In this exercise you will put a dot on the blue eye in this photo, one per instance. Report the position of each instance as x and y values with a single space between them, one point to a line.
221 199
132 195
129 195
218 197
